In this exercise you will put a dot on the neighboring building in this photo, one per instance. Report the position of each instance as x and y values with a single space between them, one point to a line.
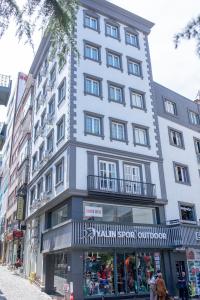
96 157
5 89
17 132
179 126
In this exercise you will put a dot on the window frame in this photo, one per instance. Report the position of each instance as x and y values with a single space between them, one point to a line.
177 164
51 133
61 181
195 141
32 190
94 115
170 129
91 44
116 85
191 205
42 146
142 127
49 172
53 69
40 182
142 94
175 107
94 78
60 121
134 32
35 155
36 127
42 118
112 23
136 61
190 120
117 54
62 85
121 122
91 15
52 99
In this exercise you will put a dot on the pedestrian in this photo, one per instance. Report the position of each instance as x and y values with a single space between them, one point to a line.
152 286
161 290
183 286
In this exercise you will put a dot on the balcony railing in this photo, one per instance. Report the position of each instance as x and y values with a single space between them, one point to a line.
121 186
5 88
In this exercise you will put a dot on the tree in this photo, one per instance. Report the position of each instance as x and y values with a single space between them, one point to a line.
55 17
192 30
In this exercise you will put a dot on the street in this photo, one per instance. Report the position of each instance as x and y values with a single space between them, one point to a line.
14 287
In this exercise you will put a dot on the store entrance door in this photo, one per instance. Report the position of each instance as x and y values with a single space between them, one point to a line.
180 267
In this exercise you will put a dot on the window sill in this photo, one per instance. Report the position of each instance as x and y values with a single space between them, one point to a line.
183 183
93 134
60 140
140 108
59 103
90 94
123 141
116 68
139 76
142 145
94 60
114 101
113 37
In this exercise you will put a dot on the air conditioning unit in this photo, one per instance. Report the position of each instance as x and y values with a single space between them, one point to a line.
49 119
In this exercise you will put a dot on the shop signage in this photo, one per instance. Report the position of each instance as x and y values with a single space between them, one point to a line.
20 208
92 232
198 236
17 233
93 211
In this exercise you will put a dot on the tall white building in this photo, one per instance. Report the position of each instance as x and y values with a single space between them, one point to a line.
96 157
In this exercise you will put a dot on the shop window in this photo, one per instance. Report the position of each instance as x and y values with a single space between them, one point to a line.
60 272
187 213
98 274
60 215
118 213
132 270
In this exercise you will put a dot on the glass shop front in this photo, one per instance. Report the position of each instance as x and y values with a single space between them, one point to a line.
112 273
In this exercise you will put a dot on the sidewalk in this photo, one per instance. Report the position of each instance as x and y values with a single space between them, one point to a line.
14 287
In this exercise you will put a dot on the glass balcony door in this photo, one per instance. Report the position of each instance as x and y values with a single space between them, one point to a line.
132 177
107 173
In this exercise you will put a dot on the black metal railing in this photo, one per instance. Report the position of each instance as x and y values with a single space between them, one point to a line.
121 186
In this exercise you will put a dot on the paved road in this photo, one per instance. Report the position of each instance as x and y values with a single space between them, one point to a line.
13 287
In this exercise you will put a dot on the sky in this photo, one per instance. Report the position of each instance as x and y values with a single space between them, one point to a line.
178 69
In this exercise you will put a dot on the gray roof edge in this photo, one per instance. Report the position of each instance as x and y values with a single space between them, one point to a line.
162 87
116 12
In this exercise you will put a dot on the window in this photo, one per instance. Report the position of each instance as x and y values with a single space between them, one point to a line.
48 182
36 128
38 102
44 89
61 129
140 136
132 39
52 105
32 195
118 131
41 152
34 162
197 146
91 22
93 86
194 118
39 77
92 52
114 60
60 172
46 65
93 124
53 75
170 107
112 31
39 189
43 118
115 93
50 141
187 213
176 138
62 91
134 68
181 174
137 99
59 215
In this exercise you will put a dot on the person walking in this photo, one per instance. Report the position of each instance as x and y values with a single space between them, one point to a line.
152 286
183 286
161 290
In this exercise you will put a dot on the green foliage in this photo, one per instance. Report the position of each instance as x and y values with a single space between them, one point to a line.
191 31
56 17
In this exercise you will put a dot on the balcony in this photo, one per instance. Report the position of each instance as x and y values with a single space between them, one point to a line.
121 188
5 88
